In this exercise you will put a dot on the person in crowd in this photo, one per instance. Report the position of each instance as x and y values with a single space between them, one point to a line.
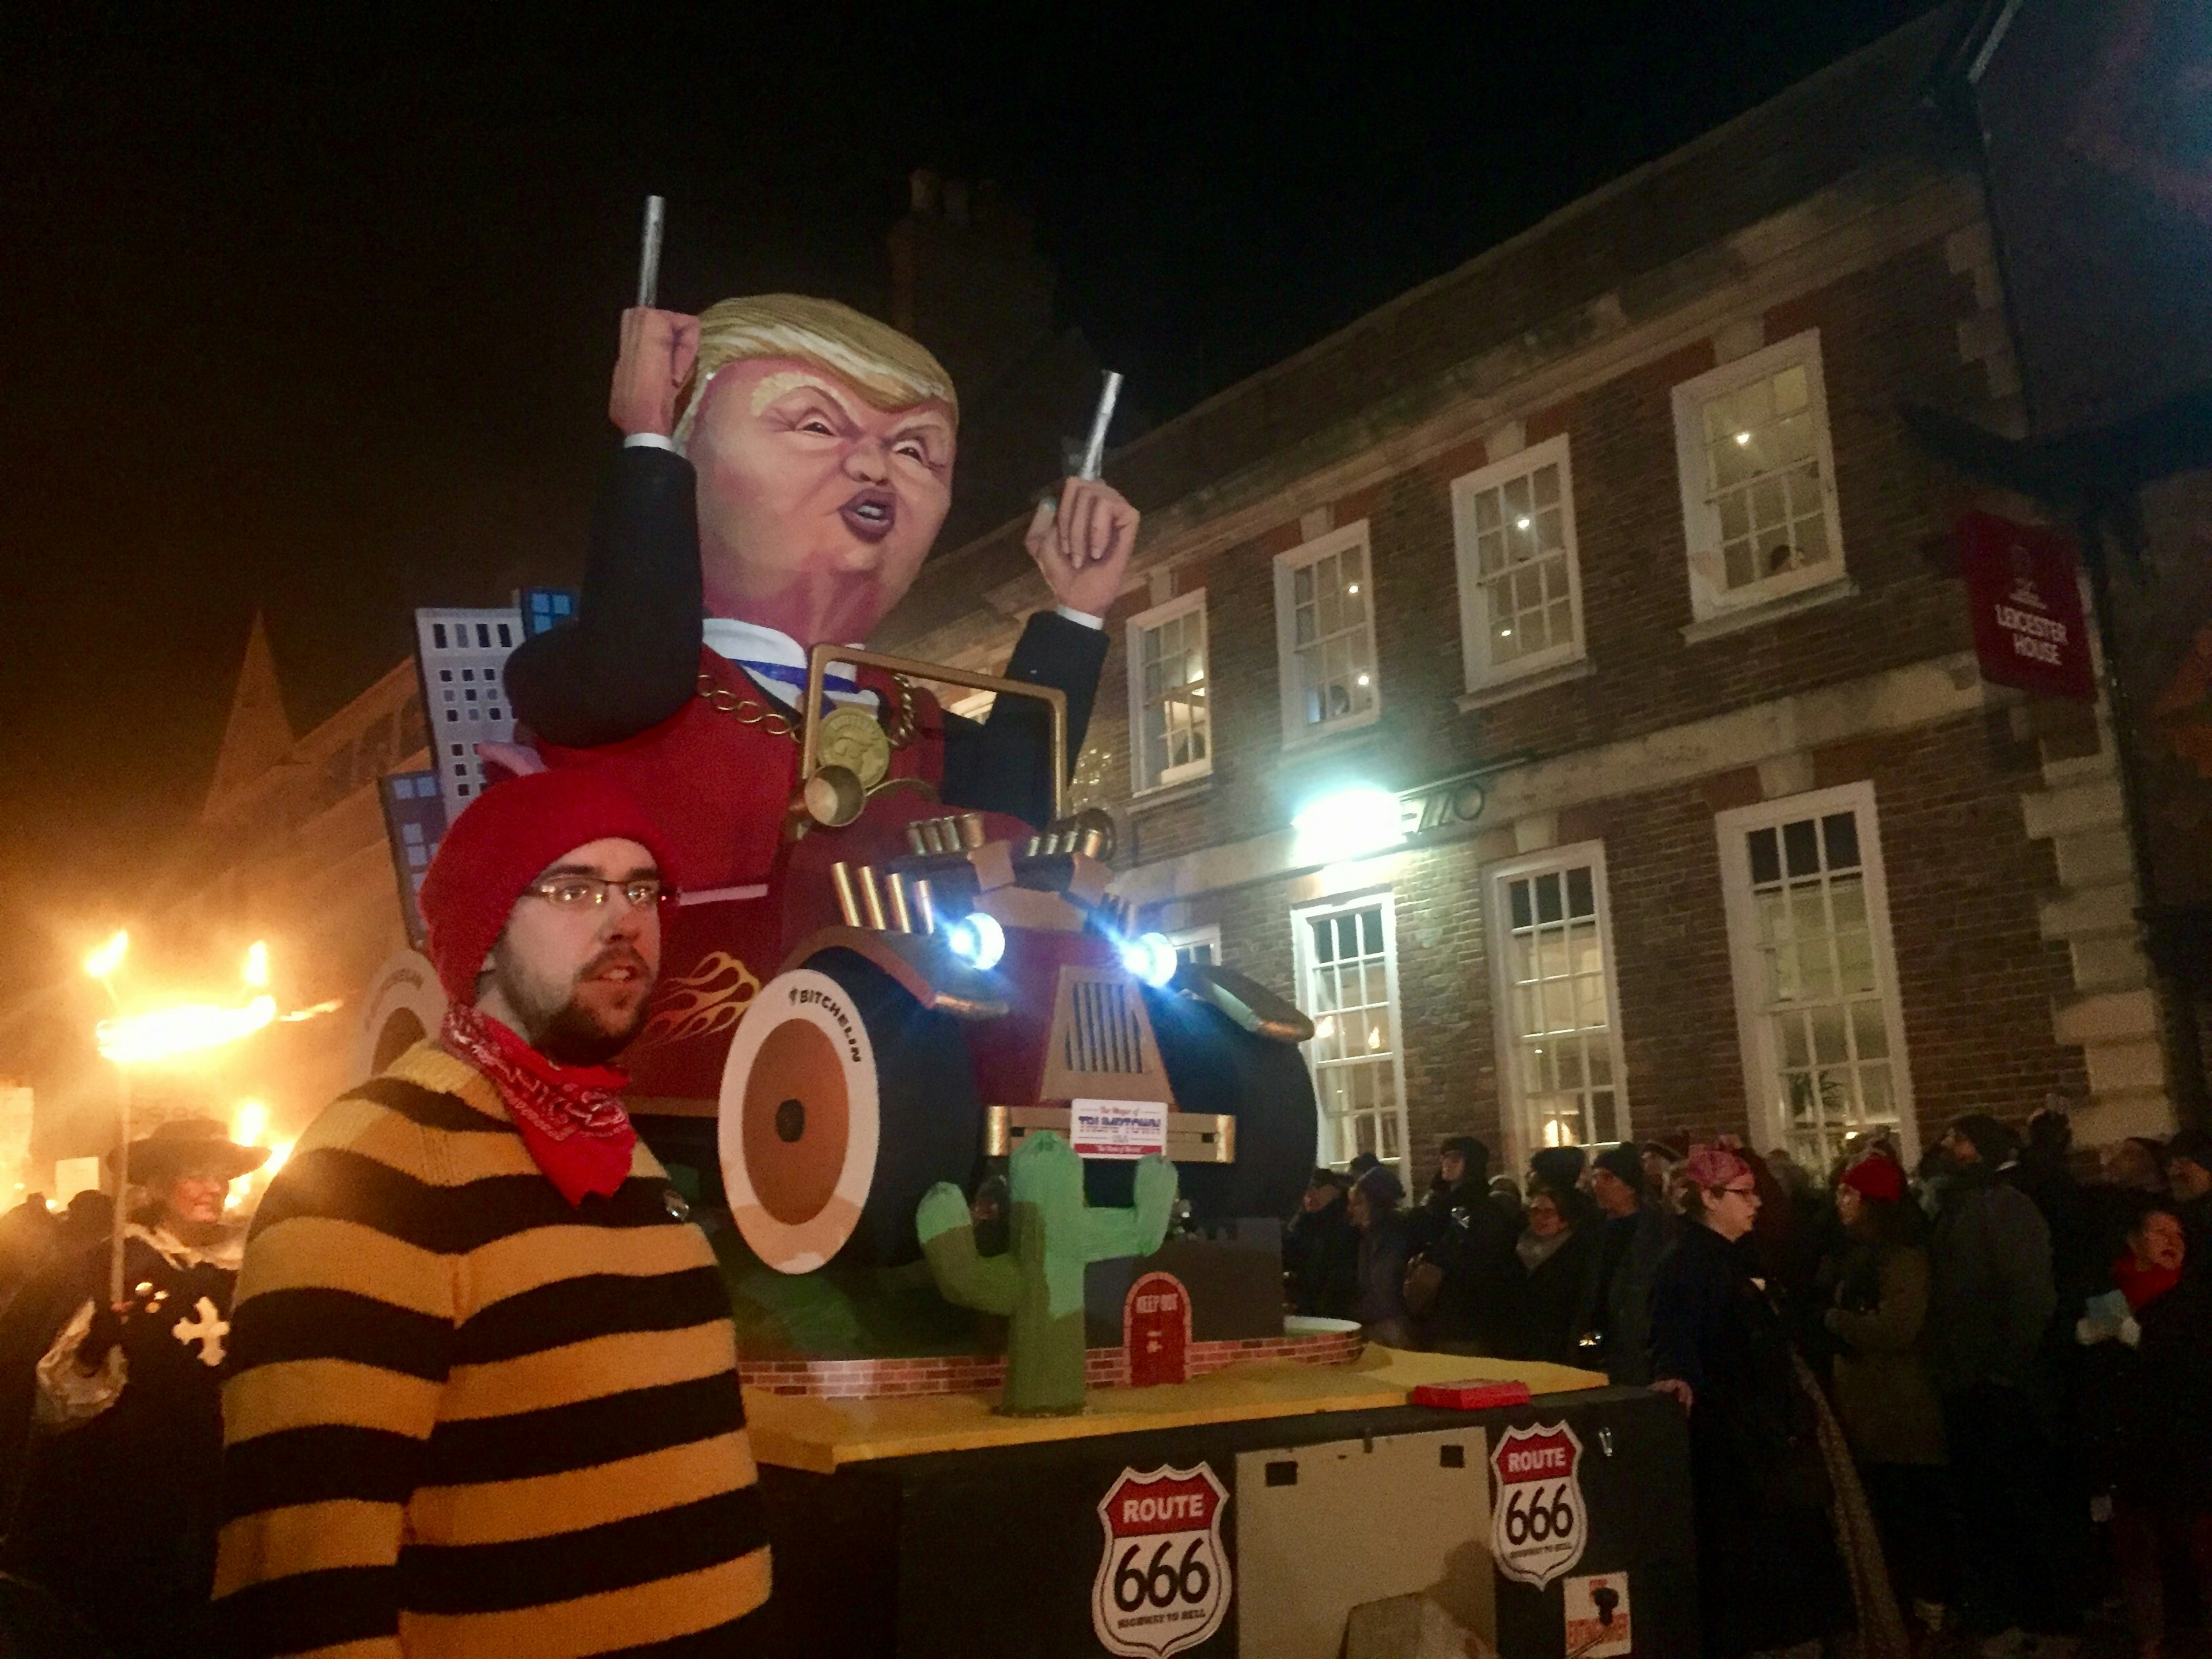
1559 1169
1888 1406
2045 1171
1458 1285
123 1460
445 1433
1551 1262
2148 1406
1634 1232
2136 1164
1661 1160
1320 1251
1990 1304
1769 1575
27 1233
1462 1176
2189 1172
1505 1199
1374 1205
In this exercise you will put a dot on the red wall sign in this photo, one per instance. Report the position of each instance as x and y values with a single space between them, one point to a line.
2025 597
1155 1330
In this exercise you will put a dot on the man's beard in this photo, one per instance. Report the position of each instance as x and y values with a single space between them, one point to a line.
574 1036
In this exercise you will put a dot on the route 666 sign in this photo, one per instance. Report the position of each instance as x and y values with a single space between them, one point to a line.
1539 1523
1163 1584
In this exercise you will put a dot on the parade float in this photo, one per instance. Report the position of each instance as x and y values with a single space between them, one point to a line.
1084 1424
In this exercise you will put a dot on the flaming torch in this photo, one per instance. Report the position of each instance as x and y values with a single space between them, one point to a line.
161 1034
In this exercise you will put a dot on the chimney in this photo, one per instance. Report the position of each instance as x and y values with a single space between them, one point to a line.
967 280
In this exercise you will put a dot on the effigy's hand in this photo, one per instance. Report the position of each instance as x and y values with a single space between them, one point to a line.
1082 544
657 351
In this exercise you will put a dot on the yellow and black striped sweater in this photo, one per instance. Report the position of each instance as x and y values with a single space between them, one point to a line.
465 1418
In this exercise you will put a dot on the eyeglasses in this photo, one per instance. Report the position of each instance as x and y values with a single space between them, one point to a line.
579 892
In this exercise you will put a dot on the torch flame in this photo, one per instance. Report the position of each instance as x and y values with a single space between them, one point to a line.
256 965
165 1033
109 957
252 1119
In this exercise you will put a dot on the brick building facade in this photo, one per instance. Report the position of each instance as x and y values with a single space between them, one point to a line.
1731 836
1734 837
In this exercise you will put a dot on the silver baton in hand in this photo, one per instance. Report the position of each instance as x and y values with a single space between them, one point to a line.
648 259
1094 448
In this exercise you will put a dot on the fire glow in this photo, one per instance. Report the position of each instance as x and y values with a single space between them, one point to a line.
189 1028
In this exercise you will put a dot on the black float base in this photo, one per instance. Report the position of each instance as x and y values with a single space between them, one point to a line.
992 1553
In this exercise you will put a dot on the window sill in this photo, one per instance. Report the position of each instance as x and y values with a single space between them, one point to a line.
1483 697
1758 614
1167 794
1322 737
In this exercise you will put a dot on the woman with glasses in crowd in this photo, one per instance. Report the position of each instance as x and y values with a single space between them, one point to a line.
1768 1573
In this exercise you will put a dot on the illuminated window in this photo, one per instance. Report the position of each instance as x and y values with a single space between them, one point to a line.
1822 1033
1348 977
1202 946
1172 737
1325 635
1758 495
1552 965
1520 592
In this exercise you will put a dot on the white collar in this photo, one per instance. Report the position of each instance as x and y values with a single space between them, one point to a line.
226 1251
757 647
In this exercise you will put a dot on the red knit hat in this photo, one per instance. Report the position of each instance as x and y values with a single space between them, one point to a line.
1878 1178
498 846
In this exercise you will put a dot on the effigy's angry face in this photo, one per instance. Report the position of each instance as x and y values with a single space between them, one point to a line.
816 506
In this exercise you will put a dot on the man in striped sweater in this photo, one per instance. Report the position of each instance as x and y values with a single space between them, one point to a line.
483 1397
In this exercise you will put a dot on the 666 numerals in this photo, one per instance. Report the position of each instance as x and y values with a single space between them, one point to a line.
1538 1512
1162 1582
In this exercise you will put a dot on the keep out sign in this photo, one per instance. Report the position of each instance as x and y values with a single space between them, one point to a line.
1162 1583
1539 1525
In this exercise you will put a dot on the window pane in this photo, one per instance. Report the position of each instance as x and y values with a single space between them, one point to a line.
1563 1081
1799 848
1766 861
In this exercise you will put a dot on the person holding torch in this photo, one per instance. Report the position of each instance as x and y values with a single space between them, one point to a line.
120 1498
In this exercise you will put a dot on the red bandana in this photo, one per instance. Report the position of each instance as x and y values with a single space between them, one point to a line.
570 1117
2143 1286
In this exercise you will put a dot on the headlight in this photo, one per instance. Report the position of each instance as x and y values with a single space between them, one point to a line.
1150 958
977 939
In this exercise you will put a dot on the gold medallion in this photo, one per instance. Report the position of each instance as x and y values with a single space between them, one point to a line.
851 737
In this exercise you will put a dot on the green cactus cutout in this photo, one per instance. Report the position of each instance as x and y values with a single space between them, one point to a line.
1037 1284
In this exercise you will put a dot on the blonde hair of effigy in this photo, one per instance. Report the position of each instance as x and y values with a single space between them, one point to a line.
892 371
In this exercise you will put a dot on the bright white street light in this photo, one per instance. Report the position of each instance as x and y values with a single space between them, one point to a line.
1348 822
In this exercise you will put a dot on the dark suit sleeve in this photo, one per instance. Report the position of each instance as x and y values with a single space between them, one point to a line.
631 658
1004 764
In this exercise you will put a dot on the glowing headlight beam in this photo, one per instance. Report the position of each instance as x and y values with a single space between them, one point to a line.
190 1028
977 939
1150 958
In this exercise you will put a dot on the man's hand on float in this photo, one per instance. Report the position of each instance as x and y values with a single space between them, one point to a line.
657 351
1082 544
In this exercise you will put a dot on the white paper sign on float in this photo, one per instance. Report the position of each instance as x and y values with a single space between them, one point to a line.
1597 1617
1162 1583
1117 1128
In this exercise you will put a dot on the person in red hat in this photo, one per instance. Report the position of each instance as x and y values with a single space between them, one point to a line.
484 1395
122 1451
1888 1405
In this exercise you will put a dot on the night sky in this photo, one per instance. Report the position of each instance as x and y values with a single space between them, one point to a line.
311 308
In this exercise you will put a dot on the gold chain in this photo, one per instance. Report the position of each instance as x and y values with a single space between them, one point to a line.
748 711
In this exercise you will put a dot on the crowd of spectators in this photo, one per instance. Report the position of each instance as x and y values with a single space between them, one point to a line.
1961 1406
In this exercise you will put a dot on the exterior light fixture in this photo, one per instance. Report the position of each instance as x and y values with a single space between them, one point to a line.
1349 823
